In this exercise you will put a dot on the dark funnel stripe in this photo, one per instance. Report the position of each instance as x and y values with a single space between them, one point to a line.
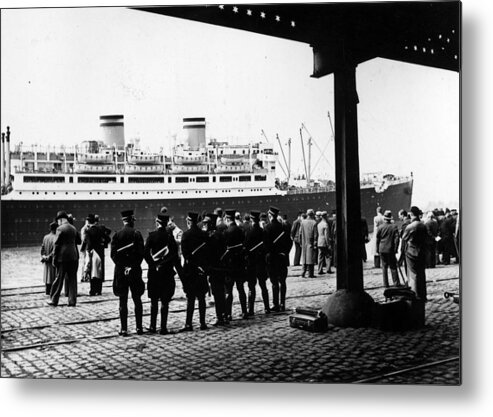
194 119
111 124
111 117
193 126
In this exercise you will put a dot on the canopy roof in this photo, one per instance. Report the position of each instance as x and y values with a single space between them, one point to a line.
425 33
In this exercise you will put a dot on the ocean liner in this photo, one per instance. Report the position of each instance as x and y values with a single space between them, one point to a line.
107 176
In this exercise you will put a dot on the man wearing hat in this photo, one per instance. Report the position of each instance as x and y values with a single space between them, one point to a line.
49 271
415 237
295 236
323 244
276 248
255 261
161 254
387 239
377 221
217 246
233 260
127 252
94 242
65 260
309 239
195 249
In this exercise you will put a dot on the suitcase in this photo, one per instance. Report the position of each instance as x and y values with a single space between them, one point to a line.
309 319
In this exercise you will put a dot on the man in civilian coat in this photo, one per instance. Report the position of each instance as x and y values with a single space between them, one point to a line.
323 244
65 260
94 242
387 239
49 271
377 221
415 237
309 238
127 252
295 236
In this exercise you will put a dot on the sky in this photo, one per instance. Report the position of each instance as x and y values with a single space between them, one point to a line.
63 68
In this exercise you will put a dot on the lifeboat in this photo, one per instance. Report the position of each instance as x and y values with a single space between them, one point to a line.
95 158
94 168
143 169
196 159
228 168
233 158
189 169
144 159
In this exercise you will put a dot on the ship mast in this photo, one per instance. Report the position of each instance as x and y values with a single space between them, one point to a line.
283 156
304 159
289 158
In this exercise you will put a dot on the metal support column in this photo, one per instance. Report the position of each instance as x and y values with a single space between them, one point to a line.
348 204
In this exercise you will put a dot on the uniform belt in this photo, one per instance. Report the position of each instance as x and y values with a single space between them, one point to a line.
235 246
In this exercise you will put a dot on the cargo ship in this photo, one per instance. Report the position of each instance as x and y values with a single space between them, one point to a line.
108 176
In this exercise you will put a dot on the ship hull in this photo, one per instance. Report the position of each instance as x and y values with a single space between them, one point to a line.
26 222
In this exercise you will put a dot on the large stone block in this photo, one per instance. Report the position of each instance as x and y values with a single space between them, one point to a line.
346 308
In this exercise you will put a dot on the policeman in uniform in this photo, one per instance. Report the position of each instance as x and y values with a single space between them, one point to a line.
276 257
233 260
161 254
217 246
127 252
195 251
255 260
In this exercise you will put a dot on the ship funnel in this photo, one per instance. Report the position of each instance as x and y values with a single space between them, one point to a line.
194 128
3 160
112 130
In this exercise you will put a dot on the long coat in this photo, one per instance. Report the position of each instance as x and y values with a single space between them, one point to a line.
49 271
415 237
309 238
161 272
194 246
127 258
377 221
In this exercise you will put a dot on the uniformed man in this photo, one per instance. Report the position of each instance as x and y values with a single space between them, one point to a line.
276 253
217 247
220 224
95 240
233 260
195 251
161 254
415 237
127 252
255 264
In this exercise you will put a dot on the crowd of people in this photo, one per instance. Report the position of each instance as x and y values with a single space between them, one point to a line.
223 250
422 243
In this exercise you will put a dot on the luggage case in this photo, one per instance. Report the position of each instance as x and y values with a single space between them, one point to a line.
310 319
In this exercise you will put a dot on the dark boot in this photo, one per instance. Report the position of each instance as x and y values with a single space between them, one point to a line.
376 260
251 302
203 325
311 271
303 273
164 318
154 308
190 309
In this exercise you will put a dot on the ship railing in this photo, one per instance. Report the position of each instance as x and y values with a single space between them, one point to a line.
309 190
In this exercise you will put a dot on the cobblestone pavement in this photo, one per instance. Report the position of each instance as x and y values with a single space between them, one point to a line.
45 342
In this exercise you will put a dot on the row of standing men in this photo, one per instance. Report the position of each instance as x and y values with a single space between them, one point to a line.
218 255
